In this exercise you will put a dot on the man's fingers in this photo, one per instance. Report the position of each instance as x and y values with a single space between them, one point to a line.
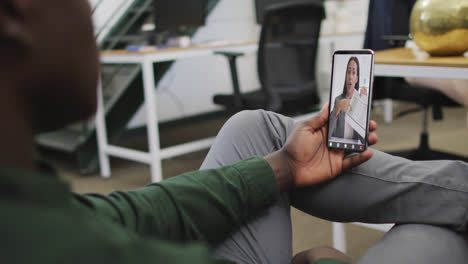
354 160
321 119
372 125
325 107
326 110
372 139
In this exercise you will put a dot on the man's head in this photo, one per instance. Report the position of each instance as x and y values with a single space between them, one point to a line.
49 59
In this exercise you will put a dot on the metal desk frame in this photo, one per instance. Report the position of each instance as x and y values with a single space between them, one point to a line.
146 60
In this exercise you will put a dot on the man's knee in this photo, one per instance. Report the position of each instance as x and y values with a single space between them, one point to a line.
414 243
247 118
260 122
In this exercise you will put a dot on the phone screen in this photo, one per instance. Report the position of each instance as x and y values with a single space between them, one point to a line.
350 99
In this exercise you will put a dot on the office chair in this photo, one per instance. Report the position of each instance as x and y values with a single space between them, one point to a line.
286 61
389 30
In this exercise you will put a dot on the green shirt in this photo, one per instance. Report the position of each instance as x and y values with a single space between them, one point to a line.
175 221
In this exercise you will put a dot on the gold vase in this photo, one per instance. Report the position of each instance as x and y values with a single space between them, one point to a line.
440 27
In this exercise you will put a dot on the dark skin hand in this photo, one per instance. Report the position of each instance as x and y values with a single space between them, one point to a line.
306 160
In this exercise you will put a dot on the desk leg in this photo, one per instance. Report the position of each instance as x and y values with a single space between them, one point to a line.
339 236
152 121
388 110
102 134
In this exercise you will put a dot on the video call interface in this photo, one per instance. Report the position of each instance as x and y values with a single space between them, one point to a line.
349 101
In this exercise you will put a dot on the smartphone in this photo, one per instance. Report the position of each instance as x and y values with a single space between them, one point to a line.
352 79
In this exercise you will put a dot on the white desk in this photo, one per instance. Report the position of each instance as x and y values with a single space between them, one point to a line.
402 62
146 60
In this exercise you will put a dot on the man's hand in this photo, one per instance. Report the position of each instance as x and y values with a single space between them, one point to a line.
306 160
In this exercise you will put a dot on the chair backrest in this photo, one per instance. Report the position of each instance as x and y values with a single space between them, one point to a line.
288 44
386 17
401 13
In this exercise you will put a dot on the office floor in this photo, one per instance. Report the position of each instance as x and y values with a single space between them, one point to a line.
448 134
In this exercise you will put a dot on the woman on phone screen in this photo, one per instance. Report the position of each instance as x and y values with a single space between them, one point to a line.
339 128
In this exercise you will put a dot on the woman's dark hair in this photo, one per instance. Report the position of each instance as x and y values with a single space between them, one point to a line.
345 91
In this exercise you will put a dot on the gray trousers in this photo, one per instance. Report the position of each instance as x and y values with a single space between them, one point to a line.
428 199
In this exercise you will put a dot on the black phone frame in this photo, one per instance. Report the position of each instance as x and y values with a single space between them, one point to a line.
369 103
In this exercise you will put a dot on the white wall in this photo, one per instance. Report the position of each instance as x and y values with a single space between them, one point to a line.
106 14
187 89
343 17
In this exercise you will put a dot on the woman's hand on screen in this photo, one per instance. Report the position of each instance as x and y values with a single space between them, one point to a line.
363 91
342 106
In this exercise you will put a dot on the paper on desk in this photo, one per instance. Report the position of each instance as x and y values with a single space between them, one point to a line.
417 52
